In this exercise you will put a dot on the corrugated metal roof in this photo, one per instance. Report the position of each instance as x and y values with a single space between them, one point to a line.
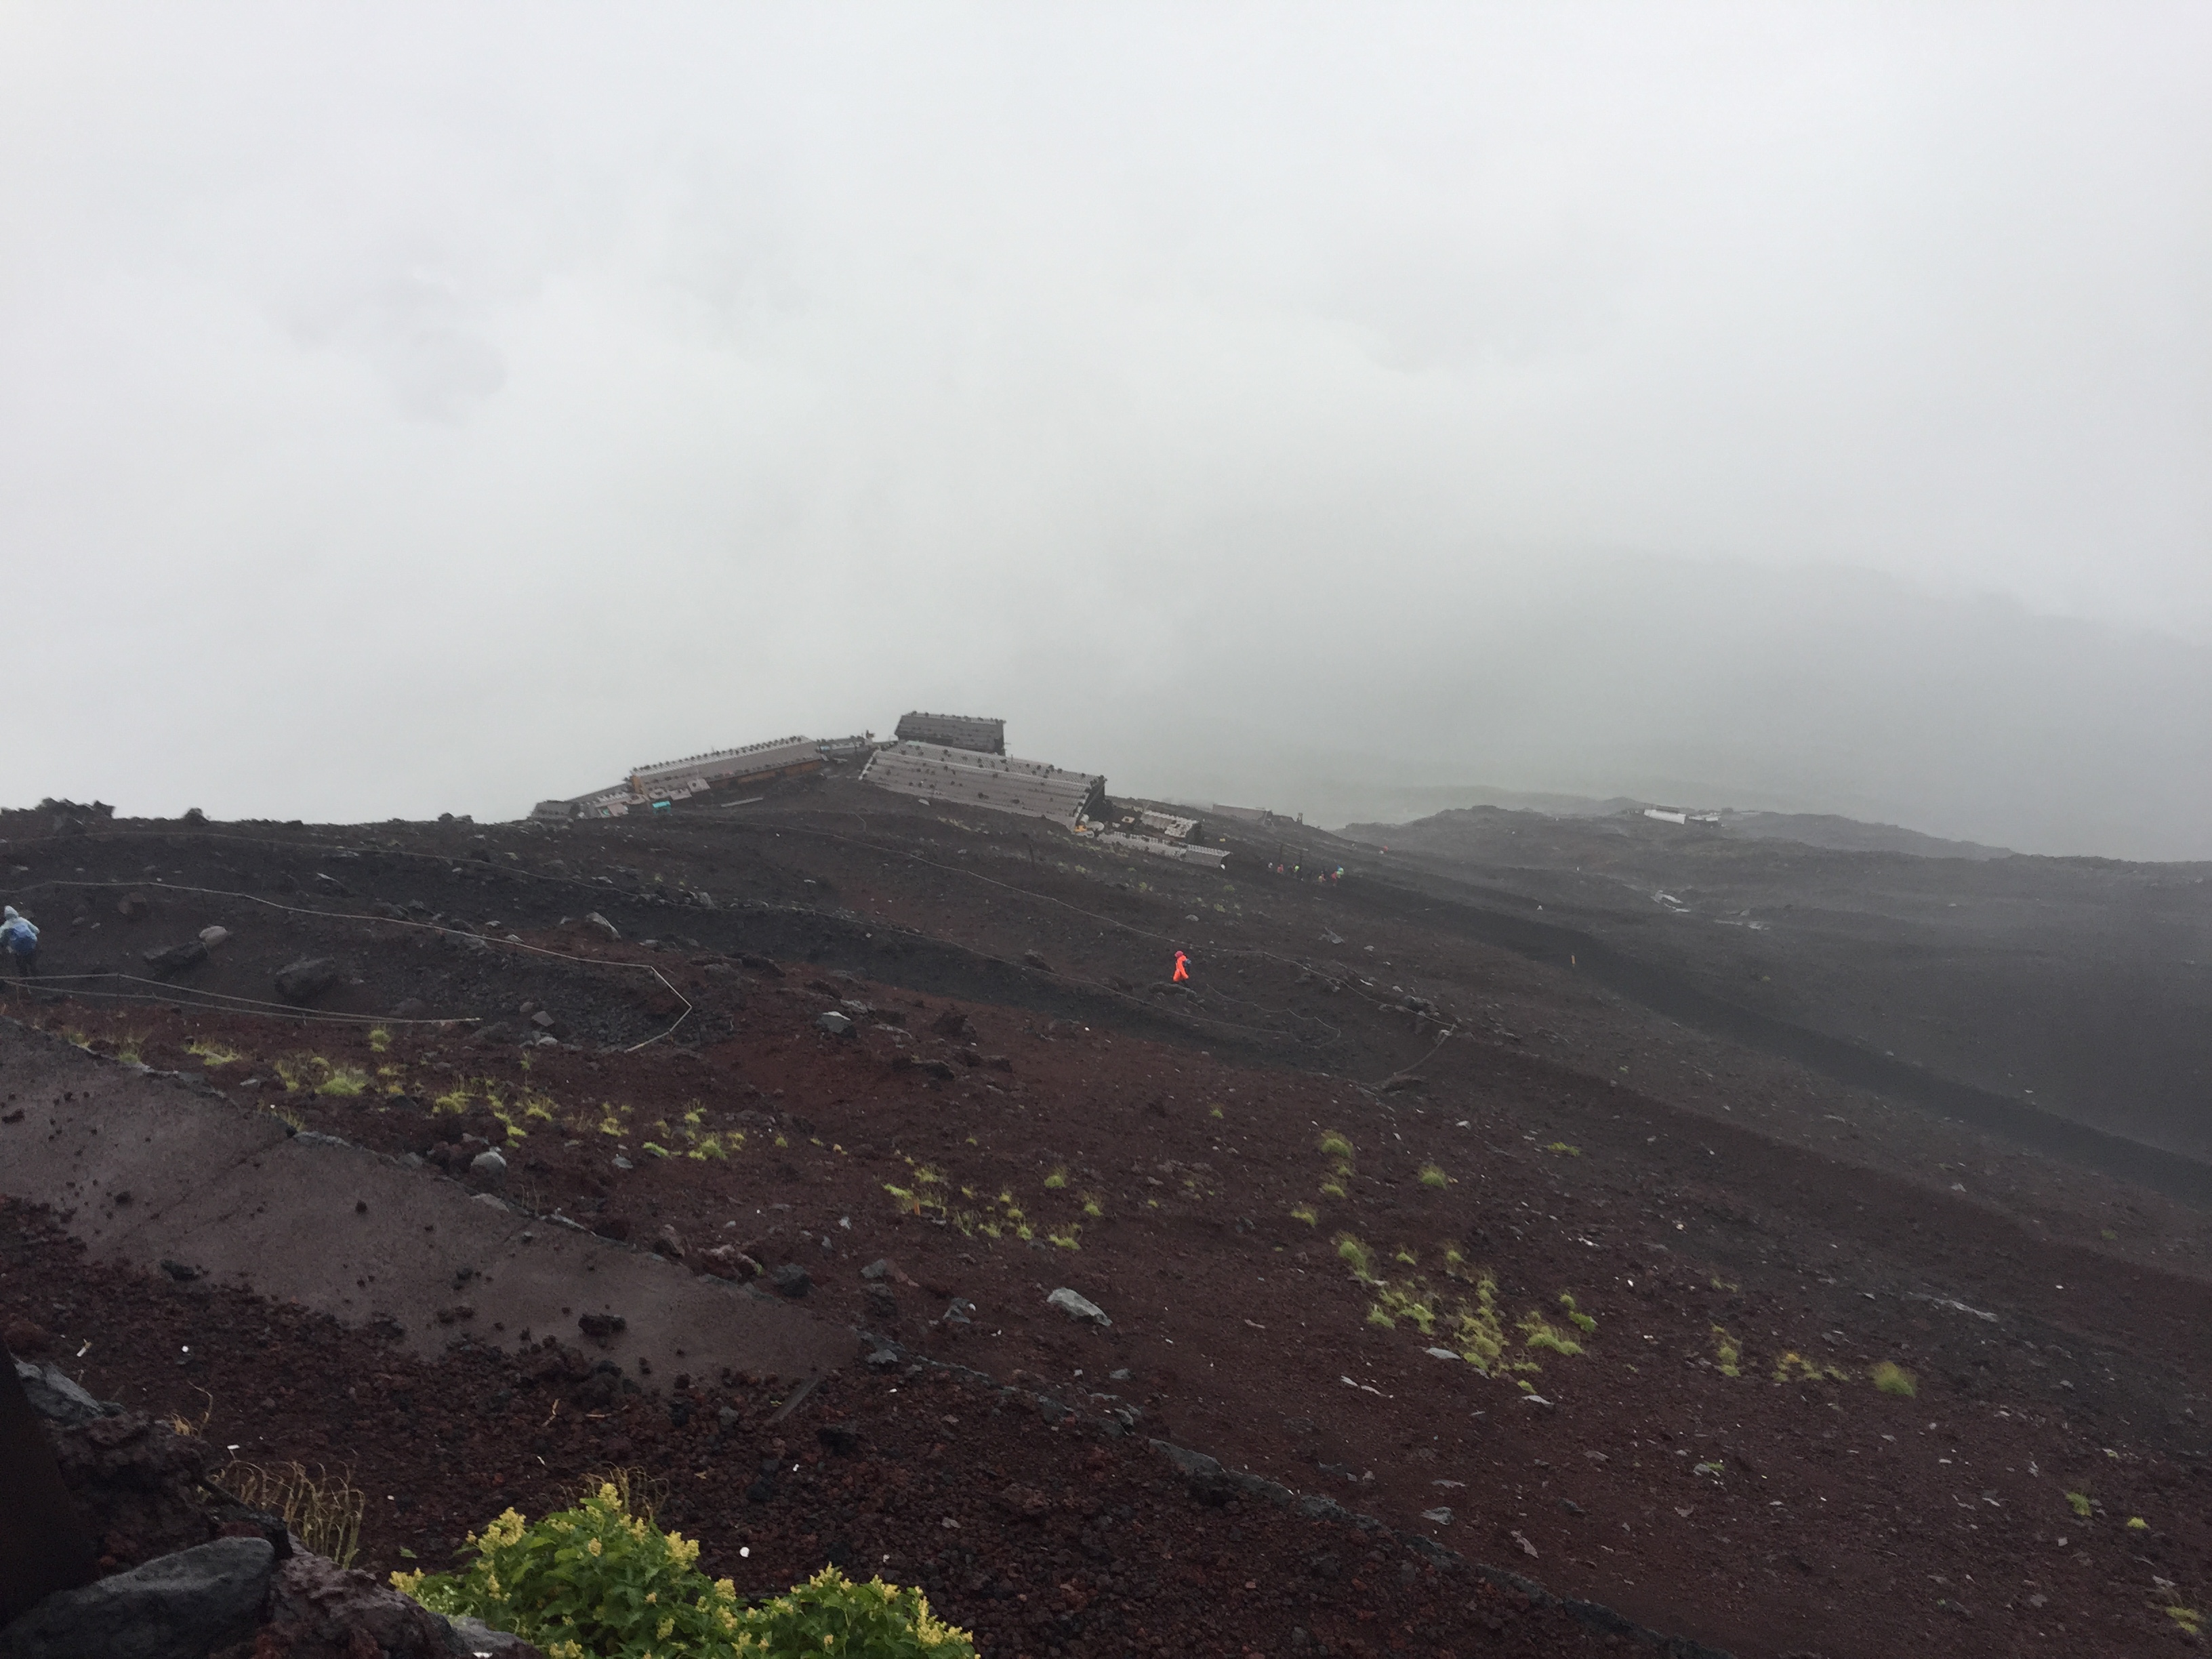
985 737
1032 788
696 772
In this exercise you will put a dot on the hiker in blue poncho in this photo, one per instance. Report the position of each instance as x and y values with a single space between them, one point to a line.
22 939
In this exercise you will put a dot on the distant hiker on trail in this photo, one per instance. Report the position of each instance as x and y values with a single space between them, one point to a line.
22 939
1182 972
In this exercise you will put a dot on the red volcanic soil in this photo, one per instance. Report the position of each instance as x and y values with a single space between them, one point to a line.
1284 1187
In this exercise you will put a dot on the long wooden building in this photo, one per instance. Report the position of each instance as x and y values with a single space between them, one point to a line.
984 737
973 778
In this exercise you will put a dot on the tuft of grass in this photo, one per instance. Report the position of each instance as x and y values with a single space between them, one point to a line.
2188 1617
1564 1150
324 1510
211 1053
1433 1176
1581 1321
379 1039
1356 1256
1332 1190
1058 1178
1093 1207
1538 1333
1795 1367
1067 1241
1890 1377
1216 1112
1335 1145
1305 1212
2079 1503
2136 1523
1728 1359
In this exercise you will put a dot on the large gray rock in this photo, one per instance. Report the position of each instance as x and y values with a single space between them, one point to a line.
56 1398
175 1607
1079 1307
303 980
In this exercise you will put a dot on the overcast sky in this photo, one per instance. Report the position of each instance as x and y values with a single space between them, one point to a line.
418 408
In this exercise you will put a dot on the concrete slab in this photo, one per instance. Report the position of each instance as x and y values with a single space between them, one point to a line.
148 1169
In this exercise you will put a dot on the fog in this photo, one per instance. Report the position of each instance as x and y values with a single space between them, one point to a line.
407 410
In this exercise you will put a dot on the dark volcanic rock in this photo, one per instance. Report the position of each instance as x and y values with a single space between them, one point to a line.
56 1398
175 959
602 1328
791 1280
302 982
319 1610
137 1483
177 1606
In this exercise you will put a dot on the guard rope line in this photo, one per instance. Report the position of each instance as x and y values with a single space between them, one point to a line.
483 939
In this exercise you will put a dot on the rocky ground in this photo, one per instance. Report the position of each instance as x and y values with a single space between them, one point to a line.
1284 1185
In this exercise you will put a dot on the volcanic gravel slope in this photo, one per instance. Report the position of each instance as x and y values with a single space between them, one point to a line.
1355 1114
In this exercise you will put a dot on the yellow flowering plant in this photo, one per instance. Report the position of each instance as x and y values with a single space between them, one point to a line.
597 1582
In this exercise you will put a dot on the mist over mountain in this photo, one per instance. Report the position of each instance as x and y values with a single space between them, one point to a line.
1711 684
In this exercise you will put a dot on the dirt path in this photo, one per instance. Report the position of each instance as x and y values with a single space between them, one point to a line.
152 1170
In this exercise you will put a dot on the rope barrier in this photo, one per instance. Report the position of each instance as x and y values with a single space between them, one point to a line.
391 922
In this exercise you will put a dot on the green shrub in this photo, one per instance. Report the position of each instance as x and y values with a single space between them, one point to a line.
830 1614
1433 1176
1335 1145
2079 1503
1893 1378
596 1582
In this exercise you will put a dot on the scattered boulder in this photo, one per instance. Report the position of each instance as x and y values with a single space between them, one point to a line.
595 920
791 1280
175 1607
1077 1307
602 1328
302 982
212 937
728 1261
175 959
761 965
670 1243
951 1024
1036 962
834 1024
489 1168
132 906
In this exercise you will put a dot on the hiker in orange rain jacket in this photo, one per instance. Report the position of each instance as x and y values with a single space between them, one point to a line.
1182 967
